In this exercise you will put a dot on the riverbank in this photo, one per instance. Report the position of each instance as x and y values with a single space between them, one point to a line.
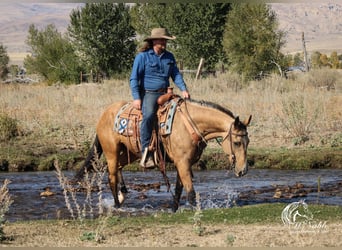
38 155
257 226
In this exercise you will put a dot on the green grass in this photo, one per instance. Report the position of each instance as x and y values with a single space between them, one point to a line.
251 214
296 158
39 154
260 214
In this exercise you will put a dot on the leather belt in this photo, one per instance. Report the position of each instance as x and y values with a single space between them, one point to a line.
162 90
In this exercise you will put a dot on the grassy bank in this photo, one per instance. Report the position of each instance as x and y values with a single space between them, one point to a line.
39 155
296 122
258 225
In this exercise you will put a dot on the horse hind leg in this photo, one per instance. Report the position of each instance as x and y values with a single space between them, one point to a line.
125 157
123 187
113 177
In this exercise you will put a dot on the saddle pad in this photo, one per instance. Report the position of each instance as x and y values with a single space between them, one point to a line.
127 120
166 115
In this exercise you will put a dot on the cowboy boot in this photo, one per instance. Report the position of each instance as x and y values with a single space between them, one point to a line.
149 164
147 160
143 158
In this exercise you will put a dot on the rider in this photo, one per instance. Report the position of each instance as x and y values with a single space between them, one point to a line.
152 68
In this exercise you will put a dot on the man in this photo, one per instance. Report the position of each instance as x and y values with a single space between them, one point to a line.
152 69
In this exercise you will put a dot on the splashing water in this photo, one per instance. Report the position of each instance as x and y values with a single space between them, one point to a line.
223 197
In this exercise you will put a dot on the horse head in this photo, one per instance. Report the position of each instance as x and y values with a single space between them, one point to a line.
235 144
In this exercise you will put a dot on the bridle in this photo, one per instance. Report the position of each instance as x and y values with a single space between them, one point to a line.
229 135
203 141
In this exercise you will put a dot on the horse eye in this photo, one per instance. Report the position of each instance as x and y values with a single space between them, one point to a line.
237 144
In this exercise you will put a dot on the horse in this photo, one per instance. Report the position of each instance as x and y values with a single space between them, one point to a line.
194 124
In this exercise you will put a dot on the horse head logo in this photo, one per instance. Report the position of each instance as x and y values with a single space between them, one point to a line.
296 212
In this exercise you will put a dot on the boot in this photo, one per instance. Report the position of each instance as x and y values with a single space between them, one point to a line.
143 158
149 164
147 160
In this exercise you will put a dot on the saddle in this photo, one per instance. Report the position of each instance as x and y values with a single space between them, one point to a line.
128 120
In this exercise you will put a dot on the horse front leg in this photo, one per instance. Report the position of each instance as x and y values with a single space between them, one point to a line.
178 193
184 179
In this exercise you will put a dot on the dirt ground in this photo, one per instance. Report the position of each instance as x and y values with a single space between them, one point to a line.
63 234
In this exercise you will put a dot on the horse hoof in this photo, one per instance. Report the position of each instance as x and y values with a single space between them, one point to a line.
187 207
174 209
124 189
121 197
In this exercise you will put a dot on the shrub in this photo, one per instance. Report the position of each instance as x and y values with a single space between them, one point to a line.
323 78
8 127
298 117
5 203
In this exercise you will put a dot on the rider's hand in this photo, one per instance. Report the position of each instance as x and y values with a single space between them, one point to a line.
186 94
137 104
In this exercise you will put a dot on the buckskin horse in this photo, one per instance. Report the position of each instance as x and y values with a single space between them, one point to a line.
193 124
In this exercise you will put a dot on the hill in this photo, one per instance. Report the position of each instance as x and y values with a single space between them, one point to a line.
320 22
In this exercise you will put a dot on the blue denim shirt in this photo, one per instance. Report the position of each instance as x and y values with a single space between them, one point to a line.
152 72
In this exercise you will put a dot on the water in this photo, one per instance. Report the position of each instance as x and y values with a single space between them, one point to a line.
217 189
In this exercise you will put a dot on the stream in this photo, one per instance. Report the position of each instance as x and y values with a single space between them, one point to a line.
147 192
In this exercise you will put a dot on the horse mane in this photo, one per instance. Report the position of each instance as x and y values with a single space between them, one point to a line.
214 106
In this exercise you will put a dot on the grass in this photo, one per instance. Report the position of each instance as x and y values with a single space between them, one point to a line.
263 213
257 225
5 203
296 158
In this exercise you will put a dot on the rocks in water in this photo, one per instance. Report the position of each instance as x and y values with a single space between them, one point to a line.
47 192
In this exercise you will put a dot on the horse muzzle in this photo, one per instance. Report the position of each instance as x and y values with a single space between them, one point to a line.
240 173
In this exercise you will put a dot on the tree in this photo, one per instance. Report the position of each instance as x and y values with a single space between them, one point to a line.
252 39
298 59
335 63
4 60
324 60
103 37
315 60
198 27
52 55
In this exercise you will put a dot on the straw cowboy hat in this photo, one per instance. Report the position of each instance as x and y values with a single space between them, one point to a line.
160 33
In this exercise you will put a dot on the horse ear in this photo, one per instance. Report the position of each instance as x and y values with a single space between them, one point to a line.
247 121
237 121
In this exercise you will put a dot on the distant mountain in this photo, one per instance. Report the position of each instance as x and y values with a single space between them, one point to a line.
15 19
321 22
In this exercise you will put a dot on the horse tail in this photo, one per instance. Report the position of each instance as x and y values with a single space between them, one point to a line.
94 153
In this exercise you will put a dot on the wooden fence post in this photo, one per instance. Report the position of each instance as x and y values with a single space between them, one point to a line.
305 54
199 68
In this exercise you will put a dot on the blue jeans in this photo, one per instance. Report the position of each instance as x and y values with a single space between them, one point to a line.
149 109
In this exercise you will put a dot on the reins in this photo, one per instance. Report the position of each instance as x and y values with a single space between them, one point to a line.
191 126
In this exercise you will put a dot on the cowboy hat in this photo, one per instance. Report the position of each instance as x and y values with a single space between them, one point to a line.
160 33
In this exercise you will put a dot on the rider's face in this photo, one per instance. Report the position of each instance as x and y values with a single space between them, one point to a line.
159 45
